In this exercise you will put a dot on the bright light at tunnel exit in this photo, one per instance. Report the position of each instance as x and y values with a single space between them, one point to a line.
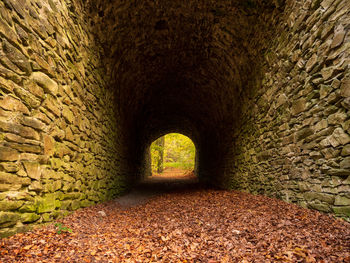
173 153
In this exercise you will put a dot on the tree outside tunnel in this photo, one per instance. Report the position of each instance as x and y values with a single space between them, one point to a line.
172 151
262 87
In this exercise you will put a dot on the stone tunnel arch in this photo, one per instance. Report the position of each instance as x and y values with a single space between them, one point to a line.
147 170
261 86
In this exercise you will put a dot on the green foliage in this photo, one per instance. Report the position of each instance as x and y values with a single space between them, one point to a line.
179 152
157 152
60 228
186 166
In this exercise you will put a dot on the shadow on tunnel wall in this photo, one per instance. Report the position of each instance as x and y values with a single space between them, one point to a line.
184 67
261 87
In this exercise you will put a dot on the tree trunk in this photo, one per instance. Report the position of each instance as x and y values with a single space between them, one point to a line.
160 148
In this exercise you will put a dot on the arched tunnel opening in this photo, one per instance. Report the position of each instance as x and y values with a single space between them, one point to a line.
172 156
260 86
184 67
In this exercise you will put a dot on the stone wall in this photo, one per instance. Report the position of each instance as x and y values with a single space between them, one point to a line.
58 122
260 86
293 138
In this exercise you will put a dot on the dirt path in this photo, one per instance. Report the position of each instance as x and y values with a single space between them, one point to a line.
174 174
172 179
186 225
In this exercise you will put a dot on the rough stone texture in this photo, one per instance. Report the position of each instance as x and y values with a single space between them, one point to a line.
307 138
261 87
58 123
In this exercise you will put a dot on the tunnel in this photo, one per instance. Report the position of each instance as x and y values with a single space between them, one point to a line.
184 67
260 86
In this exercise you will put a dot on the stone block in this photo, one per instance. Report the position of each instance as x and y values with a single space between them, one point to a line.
327 73
29 217
338 37
346 103
8 219
336 118
34 89
28 207
56 163
49 145
8 32
66 205
68 114
75 205
311 63
8 178
8 187
345 87
339 137
8 205
27 148
33 123
47 217
338 172
18 129
47 203
282 99
33 170
52 105
52 186
304 133
8 154
27 98
68 178
86 203
303 186
69 135
319 206
16 57
36 186
325 90
73 195
67 186
298 106
342 210
44 81
327 198
321 125
10 167
342 201
345 163
12 104
346 150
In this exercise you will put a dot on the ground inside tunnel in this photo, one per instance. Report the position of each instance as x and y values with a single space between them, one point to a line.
183 225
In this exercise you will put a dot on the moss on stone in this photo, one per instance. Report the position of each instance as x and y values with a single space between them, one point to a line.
8 219
28 207
29 217
86 203
47 203
10 205
342 210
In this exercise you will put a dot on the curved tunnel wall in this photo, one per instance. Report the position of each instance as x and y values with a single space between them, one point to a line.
261 87
184 66
59 126
293 138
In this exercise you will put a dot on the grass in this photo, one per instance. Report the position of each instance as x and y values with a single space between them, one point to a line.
186 166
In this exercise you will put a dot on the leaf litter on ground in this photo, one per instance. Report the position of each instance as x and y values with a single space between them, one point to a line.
187 226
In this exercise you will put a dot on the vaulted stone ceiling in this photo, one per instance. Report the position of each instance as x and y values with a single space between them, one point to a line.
182 66
262 88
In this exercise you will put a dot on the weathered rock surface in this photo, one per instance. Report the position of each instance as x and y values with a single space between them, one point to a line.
262 88
41 46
